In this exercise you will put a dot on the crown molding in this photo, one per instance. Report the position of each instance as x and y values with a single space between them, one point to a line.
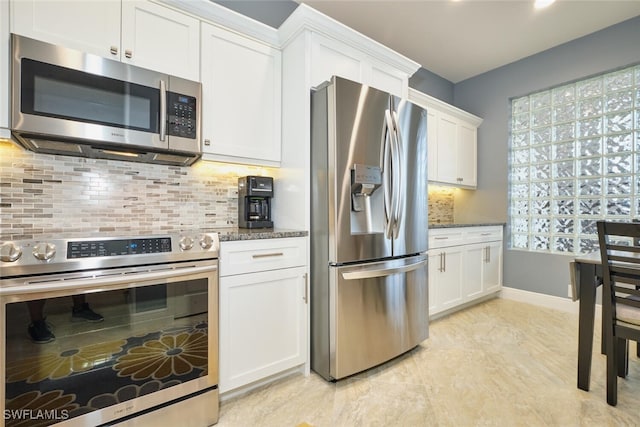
427 101
305 18
216 14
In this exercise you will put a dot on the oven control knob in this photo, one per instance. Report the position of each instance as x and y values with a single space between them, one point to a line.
186 243
9 252
206 241
44 251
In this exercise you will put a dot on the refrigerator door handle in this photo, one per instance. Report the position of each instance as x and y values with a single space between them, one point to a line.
387 171
382 272
399 189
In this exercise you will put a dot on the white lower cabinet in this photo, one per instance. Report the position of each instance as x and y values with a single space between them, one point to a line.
465 264
492 267
445 278
263 313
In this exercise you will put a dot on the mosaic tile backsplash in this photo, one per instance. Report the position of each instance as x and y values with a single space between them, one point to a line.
43 194
441 202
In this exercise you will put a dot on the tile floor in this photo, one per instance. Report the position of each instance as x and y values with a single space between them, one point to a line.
500 363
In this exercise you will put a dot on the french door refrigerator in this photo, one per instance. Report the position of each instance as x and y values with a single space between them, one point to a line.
368 227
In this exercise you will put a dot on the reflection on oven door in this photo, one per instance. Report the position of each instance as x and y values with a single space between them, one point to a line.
151 338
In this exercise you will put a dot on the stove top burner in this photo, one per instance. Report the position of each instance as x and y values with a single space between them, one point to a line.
29 257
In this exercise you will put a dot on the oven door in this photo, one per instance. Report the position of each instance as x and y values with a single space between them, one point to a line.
156 346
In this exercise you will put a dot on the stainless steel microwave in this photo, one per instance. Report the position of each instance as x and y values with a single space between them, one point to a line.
73 103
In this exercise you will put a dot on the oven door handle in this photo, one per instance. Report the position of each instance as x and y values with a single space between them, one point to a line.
102 281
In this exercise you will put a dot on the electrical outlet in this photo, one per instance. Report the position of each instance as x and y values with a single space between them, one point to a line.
569 291
232 193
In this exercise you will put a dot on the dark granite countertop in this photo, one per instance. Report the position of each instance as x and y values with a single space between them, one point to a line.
233 234
456 225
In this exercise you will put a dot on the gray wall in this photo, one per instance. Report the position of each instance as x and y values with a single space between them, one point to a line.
432 84
275 12
270 12
487 96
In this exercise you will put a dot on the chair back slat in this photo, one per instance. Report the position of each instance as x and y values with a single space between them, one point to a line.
628 301
623 248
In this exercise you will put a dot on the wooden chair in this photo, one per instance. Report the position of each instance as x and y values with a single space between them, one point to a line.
620 255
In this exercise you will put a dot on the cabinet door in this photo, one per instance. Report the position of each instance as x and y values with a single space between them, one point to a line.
447 154
473 271
263 328
492 267
432 144
331 58
241 99
467 154
388 79
89 26
448 279
434 276
160 39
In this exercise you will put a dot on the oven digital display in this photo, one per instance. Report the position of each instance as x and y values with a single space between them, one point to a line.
102 248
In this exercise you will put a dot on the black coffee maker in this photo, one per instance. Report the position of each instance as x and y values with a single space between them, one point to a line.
254 202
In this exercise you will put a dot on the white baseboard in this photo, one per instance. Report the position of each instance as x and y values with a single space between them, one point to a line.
230 394
543 300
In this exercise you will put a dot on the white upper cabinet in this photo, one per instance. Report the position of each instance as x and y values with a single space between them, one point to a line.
447 152
161 39
452 142
241 79
89 26
432 149
333 57
467 158
137 32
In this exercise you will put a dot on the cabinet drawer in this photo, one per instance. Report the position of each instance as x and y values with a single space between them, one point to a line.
441 238
250 256
483 234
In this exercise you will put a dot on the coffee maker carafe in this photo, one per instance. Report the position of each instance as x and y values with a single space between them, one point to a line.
254 202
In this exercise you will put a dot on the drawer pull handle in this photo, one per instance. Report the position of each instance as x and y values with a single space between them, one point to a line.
268 255
486 234
441 238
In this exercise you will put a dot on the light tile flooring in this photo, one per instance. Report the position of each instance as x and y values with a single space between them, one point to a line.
500 363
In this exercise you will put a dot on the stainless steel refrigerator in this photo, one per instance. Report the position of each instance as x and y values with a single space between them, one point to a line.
368 227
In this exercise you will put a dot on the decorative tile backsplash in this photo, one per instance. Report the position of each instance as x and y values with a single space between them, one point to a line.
42 194
441 205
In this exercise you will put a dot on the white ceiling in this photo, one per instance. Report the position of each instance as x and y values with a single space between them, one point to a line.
461 39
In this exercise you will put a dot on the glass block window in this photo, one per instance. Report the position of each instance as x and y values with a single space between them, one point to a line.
574 159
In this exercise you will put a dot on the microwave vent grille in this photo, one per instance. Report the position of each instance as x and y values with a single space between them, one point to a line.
56 147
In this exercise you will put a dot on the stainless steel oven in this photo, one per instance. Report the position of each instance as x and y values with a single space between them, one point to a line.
110 331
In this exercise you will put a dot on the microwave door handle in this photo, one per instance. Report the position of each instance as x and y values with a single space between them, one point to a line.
163 110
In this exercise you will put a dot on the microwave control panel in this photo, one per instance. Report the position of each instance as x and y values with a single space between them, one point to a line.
181 115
